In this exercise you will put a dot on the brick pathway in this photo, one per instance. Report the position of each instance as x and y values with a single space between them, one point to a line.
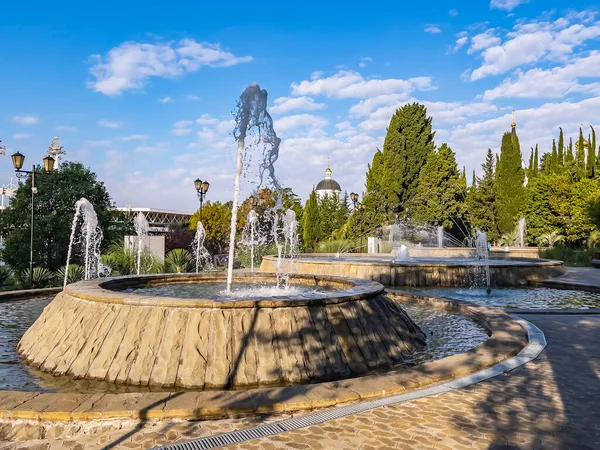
552 402
587 277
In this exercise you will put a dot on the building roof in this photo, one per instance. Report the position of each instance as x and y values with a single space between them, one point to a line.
328 184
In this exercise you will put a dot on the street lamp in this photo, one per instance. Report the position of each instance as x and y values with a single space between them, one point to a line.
201 189
18 159
253 201
354 198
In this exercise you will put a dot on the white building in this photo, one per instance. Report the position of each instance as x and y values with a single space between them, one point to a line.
328 186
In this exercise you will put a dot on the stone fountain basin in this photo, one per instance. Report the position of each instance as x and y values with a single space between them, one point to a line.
93 330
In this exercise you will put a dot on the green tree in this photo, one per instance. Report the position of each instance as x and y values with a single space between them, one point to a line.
580 156
570 156
561 149
394 172
439 198
553 160
312 232
54 207
591 156
509 182
216 219
481 201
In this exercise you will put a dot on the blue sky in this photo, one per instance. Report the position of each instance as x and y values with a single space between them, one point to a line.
142 92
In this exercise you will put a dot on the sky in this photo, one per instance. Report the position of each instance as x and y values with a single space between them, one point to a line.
143 92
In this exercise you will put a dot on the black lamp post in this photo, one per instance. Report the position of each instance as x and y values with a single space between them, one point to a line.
201 189
354 198
18 159
253 201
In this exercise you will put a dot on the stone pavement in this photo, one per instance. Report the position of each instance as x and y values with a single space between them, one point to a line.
578 277
552 402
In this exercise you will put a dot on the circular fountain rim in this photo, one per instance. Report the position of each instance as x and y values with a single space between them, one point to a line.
105 290
332 258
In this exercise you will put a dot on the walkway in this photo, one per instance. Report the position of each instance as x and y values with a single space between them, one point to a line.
552 402
587 277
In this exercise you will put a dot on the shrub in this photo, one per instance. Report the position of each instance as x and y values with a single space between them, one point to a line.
178 260
76 273
42 278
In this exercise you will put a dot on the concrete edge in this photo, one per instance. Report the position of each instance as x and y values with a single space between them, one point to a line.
508 338
28 293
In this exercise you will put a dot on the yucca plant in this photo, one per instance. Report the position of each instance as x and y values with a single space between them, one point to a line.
594 240
550 239
509 239
336 246
6 277
123 261
42 278
75 273
178 260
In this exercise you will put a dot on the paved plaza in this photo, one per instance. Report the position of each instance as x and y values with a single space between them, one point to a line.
551 402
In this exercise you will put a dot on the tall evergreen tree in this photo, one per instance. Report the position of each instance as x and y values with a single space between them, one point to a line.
474 181
440 195
509 182
570 157
591 157
561 149
394 173
580 156
530 173
311 228
554 160
536 169
481 202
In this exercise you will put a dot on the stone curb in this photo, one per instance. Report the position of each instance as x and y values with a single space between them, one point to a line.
27 293
507 339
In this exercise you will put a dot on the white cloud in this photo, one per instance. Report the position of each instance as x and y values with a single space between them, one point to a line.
300 123
507 5
349 84
453 13
460 42
25 120
205 119
133 137
131 64
549 83
66 128
181 131
22 135
192 97
286 104
159 147
109 123
433 29
533 41
165 100
483 40
183 124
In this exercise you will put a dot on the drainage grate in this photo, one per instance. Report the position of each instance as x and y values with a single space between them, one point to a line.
537 343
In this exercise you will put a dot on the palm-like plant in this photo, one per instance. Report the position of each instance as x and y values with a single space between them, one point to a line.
75 273
178 260
594 239
509 239
6 277
123 261
42 278
550 239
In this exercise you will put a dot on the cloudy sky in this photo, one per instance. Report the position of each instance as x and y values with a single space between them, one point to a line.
143 92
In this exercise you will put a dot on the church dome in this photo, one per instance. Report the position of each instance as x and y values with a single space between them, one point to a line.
328 185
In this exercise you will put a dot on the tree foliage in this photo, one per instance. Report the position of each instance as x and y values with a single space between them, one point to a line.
481 200
216 219
54 208
312 225
509 182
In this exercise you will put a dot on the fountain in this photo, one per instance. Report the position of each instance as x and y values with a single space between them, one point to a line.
521 232
481 249
90 238
202 256
400 254
252 236
440 236
140 225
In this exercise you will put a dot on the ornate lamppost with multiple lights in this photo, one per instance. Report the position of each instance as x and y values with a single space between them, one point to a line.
201 189
18 159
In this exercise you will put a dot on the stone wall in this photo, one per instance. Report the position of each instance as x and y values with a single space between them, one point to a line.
91 333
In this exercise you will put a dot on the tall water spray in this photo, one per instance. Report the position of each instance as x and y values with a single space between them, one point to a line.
440 236
251 115
481 250
203 258
252 236
521 232
141 230
90 237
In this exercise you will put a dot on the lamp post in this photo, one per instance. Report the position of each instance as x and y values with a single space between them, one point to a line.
253 201
201 189
18 159
354 198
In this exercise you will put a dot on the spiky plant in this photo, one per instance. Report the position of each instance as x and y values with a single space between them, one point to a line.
75 273
594 239
509 239
6 277
178 260
550 239
42 278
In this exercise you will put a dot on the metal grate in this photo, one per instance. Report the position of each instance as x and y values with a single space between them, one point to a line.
537 342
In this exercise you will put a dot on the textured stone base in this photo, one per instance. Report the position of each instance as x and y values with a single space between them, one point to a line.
415 274
127 338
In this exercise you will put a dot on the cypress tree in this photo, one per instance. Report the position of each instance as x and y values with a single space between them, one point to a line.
395 173
553 161
561 149
591 159
580 156
481 201
474 182
509 182
570 157
311 222
536 169
530 173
